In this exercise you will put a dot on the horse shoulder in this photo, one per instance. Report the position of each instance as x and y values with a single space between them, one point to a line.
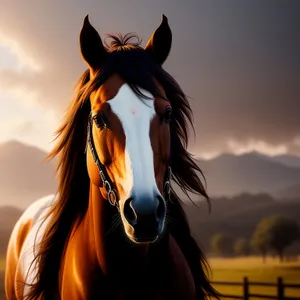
21 242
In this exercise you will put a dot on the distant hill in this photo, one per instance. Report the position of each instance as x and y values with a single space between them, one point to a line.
285 159
254 173
288 160
292 191
24 176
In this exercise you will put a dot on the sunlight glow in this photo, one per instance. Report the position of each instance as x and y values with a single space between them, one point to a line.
25 61
27 124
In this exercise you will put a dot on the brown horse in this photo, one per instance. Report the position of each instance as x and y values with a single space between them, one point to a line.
115 228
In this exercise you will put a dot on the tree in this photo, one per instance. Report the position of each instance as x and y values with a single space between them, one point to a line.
283 232
241 247
222 244
259 241
275 233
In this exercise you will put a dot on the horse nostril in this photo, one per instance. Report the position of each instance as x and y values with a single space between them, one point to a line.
161 209
129 212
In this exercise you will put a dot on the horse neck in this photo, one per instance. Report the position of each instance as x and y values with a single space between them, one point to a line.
94 227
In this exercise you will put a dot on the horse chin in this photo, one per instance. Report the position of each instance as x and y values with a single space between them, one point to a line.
141 239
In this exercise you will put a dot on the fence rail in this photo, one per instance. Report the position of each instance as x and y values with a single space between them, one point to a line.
280 285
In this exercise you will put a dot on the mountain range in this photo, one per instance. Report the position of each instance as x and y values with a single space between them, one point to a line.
229 175
24 176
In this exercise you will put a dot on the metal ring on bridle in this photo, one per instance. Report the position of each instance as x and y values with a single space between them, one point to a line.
112 198
107 186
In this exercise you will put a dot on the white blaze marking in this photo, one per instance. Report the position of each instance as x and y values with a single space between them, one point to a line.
135 115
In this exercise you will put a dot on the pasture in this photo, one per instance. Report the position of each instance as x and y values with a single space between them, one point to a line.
235 269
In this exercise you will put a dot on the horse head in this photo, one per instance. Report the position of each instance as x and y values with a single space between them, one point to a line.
128 130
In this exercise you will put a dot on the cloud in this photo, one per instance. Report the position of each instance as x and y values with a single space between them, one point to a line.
255 145
25 60
30 124
238 61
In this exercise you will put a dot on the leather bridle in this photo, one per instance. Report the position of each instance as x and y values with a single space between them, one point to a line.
107 182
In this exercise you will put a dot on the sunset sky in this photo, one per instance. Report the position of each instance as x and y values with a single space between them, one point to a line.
238 60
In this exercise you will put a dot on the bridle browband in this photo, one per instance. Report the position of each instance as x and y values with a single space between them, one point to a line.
107 182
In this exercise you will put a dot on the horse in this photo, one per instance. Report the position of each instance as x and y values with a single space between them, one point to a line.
115 228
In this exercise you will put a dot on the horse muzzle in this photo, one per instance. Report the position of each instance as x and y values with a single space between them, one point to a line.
144 218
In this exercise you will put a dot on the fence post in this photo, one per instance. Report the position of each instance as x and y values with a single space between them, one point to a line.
246 289
280 289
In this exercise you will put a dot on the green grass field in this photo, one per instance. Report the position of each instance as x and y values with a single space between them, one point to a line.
237 268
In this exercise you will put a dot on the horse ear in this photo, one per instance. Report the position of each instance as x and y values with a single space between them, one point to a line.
91 46
159 44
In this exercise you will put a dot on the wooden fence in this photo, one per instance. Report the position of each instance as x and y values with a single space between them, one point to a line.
280 285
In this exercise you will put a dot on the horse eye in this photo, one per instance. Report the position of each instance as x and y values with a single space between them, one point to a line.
100 120
167 114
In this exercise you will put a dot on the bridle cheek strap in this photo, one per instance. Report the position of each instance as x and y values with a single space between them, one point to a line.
106 181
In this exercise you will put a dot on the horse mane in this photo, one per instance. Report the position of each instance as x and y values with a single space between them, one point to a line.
137 68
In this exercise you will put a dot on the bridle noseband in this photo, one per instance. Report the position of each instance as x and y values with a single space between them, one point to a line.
107 182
